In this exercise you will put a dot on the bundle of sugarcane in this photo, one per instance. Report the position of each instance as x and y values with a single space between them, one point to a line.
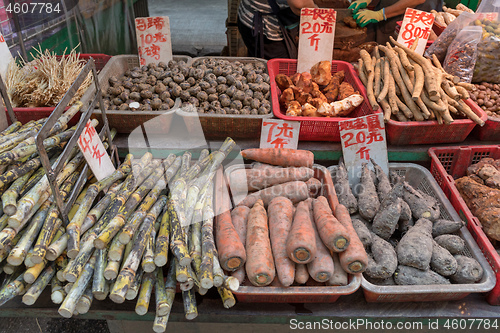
411 87
44 80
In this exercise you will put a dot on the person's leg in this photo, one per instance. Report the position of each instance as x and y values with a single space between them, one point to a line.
272 49
248 38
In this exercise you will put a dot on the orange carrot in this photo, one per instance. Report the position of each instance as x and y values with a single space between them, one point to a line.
280 222
280 156
296 191
301 273
260 264
314 186
231 250
354 259
243 180
325 202
239 217
333 233
301 243
321 268
261 166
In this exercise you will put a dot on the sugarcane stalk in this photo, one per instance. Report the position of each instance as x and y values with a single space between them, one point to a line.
227 297
68 306
61 263
148 263
116 249
172 170
4 253
219 155
85 301
12 289
231 283
190 307
32 273
49 229
74 227
160 323
34 179
9 197
178 244
128 202
64 119
141 308
185 165
16 172
99 282
139 215
111 270
162 241
218 272
162 306
9 269
12 128
76 265
57 247
133 290
206 275
57 291
188 285
68 286
9 142
30 297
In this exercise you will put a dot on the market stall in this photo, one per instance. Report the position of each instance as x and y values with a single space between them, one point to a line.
157 190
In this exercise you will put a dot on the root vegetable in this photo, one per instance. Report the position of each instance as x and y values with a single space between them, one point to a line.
354 259
280 156
314 186
442 227
343 189
301 273
383 261
468 271
332 232
421 204
442 261
339 276
231 250
406 275
415 248
386 220
301 242
363 232
368 203
296 191
453 243
321 267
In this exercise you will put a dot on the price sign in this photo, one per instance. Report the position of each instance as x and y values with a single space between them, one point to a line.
416 23
363 139
317 31
94 152
153 39
487 16
279 134
5 55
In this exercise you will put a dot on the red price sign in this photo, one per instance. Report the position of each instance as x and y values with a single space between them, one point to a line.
363 139
416 24
317 31
94 152
487 16
279 134
153 39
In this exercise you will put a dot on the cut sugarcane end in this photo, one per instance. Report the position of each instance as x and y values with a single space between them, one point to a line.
29 299
83 306
162 309
188 285
117 298
218 281
124 238
16 258
73 253
160 260
232 283
65 312
141 310
99 295
57 297
207 283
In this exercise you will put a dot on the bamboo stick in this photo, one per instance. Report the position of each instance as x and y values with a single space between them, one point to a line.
142 305
69 304
30 297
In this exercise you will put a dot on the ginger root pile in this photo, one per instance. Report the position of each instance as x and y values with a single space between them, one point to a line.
318 93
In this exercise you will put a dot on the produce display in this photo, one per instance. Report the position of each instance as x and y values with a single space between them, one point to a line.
407 241
487 96
318 93
43 81
448 15
480 190
411 87
488 65
281 232
211 85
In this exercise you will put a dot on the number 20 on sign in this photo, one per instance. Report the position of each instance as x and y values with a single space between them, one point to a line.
363 140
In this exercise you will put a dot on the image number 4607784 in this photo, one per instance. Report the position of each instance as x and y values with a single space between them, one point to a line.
29 7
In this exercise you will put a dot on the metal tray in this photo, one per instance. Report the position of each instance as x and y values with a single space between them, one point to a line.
293 294
420 178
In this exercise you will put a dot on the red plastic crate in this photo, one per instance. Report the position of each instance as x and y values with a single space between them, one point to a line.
450 163
316 128
26 114
490 131
429 131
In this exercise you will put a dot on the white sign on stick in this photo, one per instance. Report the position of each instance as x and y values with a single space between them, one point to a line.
416 23
5 55
279 134
363 139
94 152
316 35
154 41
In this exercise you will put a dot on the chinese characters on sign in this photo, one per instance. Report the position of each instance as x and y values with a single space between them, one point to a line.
317 31
279 134
487 16
416 23
363 139
153 39
5 55
94 152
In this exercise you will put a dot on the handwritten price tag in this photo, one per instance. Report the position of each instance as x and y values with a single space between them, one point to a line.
5 55
153 39
317 31
416 23
279 134
363 139
94 152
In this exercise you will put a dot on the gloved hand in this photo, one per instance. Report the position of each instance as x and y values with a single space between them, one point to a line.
358 4
365 17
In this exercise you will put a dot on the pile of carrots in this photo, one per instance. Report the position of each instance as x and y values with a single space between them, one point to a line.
282 232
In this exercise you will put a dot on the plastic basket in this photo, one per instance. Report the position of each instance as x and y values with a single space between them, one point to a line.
490 131
450 163
429 131
421 178
294 294
220 126
26 114
316 128
127 121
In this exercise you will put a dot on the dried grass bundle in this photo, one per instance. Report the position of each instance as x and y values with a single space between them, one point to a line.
44 81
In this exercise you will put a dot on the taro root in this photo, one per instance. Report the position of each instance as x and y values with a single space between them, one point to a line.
135 96
156 103
146 94
184 85
160 87
202 96
194 101
164 96
185 95
117 101
224 100
221 88
213 97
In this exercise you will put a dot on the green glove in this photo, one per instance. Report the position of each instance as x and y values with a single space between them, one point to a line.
359 4
365 17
